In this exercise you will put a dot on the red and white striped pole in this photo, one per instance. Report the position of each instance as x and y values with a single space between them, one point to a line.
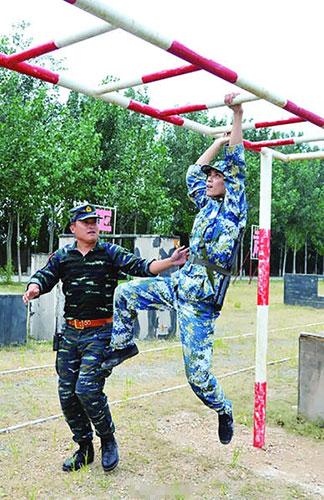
260 388
59 43
113 98
107 12
282 142
148 78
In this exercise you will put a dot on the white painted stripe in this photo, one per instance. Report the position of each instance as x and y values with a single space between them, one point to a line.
197 127
313 138
114 98
107 12
277 154
113 86
306 156
261 344
84 35
239 99
265 189
261 92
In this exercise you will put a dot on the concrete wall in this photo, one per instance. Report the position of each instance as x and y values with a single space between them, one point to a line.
13 320
43 309
302 290
156 324
311 376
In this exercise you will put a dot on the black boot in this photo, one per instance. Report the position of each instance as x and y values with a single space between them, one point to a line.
225 427
83 456
117 356
109 453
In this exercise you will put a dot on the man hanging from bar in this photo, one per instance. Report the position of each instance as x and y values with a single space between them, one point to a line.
198 289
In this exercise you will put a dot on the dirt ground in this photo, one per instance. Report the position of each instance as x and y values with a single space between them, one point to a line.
168 440
286 459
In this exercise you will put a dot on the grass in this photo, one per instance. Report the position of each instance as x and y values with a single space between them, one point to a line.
12 288
167 442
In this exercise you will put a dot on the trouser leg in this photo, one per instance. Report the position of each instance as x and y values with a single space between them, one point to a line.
196 324
81 382
144 294
90 384
68 364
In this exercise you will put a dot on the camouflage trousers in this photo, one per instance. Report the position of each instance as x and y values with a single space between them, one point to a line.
81 382
196 327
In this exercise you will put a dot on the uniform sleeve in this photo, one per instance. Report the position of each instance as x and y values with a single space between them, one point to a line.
128 263
196 184
47 277
234 178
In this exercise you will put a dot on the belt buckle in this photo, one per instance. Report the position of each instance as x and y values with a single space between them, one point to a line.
78 324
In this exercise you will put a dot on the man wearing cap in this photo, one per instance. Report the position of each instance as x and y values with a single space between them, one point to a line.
197 290
89 271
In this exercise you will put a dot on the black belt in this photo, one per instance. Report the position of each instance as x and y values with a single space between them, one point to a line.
193 259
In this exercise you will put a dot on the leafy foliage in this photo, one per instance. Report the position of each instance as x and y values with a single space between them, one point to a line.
54 154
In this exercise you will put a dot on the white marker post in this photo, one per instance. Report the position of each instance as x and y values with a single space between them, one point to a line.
260 388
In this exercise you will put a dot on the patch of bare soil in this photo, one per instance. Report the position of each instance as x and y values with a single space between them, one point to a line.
286 458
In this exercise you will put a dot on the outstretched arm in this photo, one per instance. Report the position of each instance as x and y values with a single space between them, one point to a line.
178 258
212 151
236 136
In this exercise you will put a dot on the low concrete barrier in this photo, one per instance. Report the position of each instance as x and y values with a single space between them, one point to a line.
311 376
302 290
13 320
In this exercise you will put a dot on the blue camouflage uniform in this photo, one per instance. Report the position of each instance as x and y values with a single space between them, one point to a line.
89 282
195 291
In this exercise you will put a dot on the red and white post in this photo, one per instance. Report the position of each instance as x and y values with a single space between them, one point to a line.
260 388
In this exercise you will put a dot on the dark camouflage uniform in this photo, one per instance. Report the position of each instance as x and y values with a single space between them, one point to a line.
89 282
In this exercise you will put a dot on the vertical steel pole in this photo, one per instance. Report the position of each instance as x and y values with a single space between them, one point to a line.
260 388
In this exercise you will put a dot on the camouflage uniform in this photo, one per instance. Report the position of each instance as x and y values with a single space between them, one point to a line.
195 291
89 282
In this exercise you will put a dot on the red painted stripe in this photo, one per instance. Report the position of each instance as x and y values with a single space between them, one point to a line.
33 52
250 145
263 267
28 69
70 1
260 397
279 122
308 115
264 144
183 109
213 67
169 73
155 113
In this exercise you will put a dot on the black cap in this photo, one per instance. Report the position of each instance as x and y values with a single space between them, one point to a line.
83 212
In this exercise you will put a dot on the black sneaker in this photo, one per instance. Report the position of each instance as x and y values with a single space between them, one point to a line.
225 427
117 356
109 453
83 456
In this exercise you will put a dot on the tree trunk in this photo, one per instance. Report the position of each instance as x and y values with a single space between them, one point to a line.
316 262
135 224
18 248
9 239
280 262
51 231
294 260
305 258
242 257
284 260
